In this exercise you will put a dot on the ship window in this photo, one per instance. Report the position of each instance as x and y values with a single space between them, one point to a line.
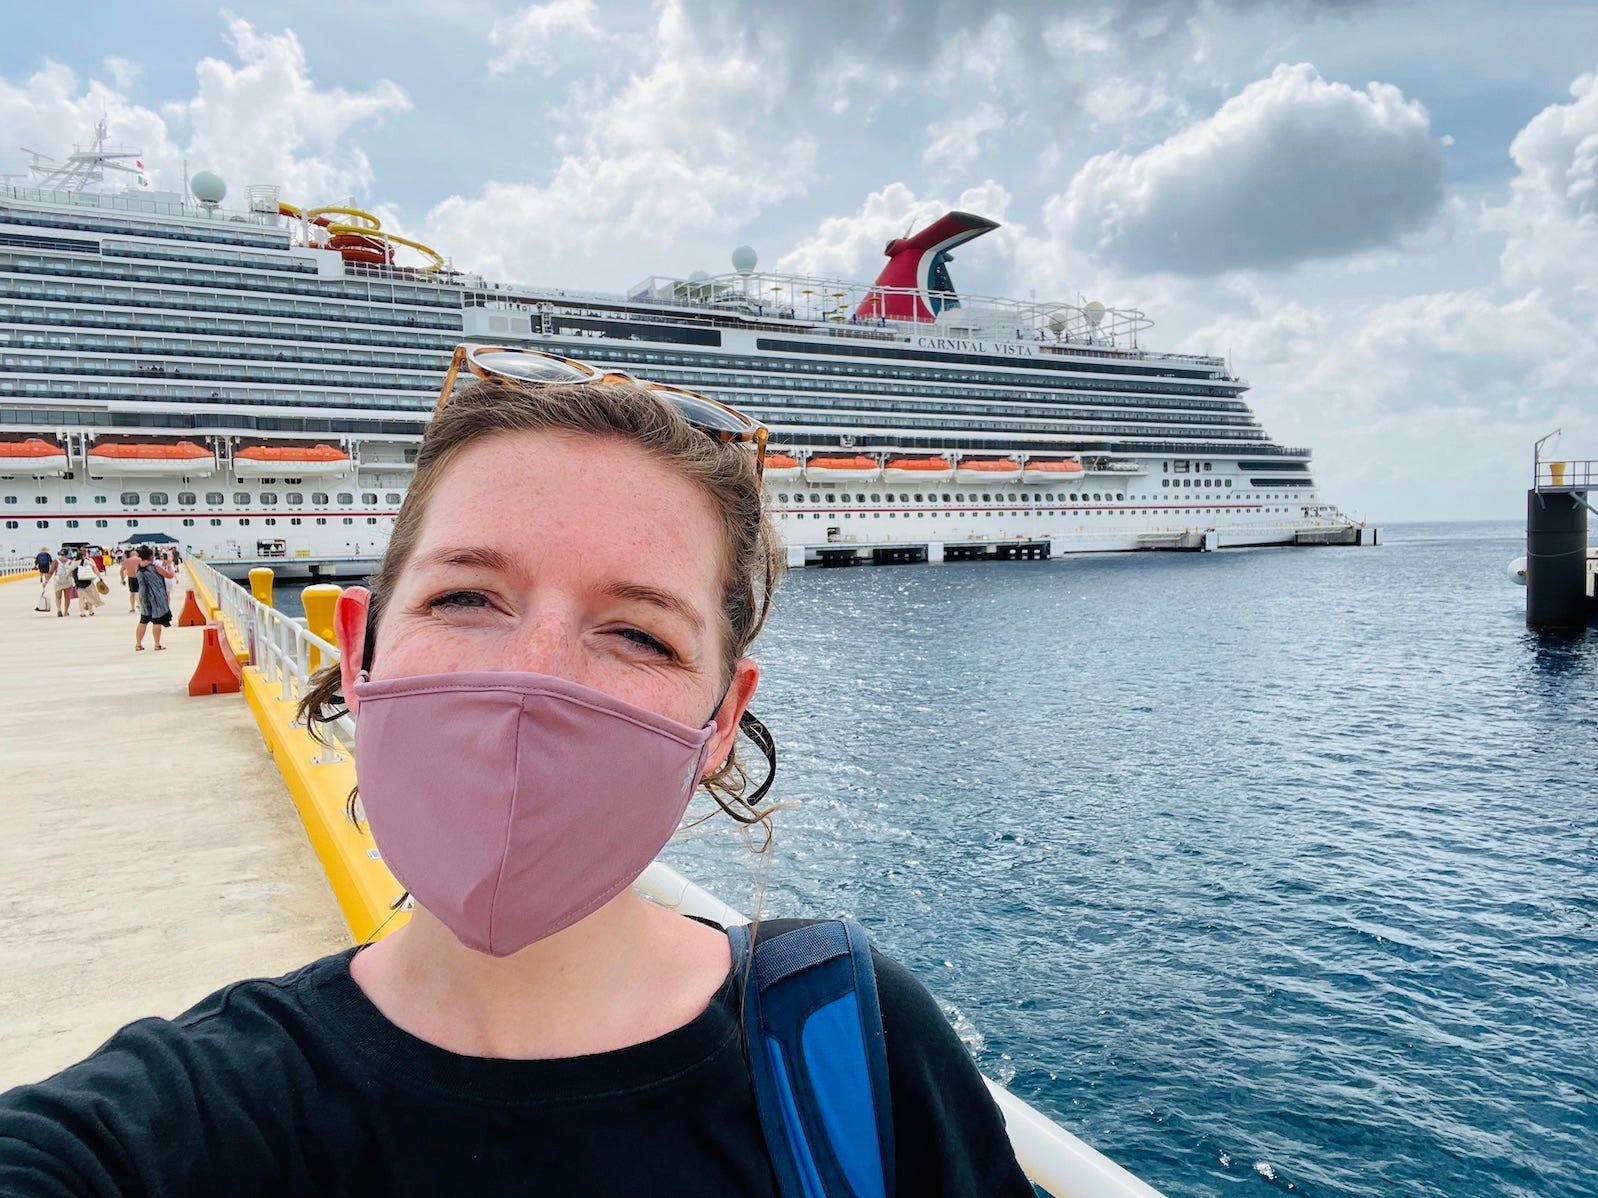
391 497
216 522
40 499
1165 482
294 520
41 523
188 522
369 497
1228 482
345 497
159 497
268 520
1208 466
72 523
11 498
814 498
295 498
319 498
921 498
859 498
876 498
268 496
1165 467
101 499
371 519
986 498
321 519
244 520
187 499
133 524
292 482
12 523
349 519
1120 497
240 498
102 524
130 499
783 498
945 499
72 499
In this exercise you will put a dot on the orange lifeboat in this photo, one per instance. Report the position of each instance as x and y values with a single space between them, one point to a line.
854 469
781 466
1052 470
34 456
298 461
128 458
917 471
988 470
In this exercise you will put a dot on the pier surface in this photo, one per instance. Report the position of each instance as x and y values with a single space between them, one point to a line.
149 853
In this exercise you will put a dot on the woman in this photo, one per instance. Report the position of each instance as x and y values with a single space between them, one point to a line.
155 608
558 632
63 585
86 573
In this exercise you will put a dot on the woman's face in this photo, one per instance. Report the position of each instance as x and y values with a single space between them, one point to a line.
577 557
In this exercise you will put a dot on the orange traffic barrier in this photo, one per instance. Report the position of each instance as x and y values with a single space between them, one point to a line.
217 672
192 616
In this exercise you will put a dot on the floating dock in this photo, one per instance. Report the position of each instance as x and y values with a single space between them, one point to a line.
148 857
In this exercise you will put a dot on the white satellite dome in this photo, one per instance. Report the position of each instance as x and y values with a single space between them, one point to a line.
698 276
744 259
1094 311
208 187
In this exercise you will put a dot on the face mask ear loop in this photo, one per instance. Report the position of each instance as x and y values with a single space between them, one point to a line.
369 649
756 731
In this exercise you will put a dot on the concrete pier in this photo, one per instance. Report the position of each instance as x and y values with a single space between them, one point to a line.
149 852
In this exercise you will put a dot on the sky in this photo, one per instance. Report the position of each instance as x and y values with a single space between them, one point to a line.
1386 213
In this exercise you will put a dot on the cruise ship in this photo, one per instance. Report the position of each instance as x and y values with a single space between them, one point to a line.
252 380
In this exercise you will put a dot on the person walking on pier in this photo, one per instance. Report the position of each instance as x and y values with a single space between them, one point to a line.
86 571
154 606
41 561
129 570
552 660
62 584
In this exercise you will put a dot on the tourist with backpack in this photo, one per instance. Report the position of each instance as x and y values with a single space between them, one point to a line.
63 586
553 657
86 572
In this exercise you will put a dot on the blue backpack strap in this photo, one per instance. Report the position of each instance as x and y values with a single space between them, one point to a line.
813 1037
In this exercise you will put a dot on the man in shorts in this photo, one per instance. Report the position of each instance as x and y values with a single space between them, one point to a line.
42 561
129 571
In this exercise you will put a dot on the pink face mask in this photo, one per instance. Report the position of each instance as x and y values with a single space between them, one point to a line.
512 805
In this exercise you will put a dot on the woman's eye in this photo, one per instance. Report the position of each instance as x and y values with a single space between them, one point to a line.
460 599
639 637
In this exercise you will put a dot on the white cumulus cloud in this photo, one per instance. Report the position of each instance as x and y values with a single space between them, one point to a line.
541 35
1292 168
955 143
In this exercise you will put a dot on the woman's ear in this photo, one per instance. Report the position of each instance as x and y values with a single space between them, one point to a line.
349 626
745 678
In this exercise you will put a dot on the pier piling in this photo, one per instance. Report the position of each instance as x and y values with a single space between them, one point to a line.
1556 560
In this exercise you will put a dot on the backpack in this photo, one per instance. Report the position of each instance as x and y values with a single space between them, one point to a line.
817 1058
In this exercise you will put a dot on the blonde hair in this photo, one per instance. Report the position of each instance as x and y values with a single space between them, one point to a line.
751 551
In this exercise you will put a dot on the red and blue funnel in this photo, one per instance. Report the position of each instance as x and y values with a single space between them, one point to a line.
915 284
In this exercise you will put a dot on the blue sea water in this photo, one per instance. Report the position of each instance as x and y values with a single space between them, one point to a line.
1260 871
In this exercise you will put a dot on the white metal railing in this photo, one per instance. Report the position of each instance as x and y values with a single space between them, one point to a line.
10 567
1053 1158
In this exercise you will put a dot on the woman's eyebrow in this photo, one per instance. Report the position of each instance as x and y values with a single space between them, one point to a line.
665 600
480 556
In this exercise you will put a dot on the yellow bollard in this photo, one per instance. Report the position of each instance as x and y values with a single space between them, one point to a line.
261 584
319 601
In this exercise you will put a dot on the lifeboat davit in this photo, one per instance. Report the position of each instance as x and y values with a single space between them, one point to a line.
917 471
781 466
1052 470
988 470
297 461
126 458
850 469
34 456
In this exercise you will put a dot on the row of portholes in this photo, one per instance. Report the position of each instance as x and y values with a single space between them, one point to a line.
244 498
1188 482
1012 497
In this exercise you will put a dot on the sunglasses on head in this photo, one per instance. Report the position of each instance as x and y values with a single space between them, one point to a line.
537 368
